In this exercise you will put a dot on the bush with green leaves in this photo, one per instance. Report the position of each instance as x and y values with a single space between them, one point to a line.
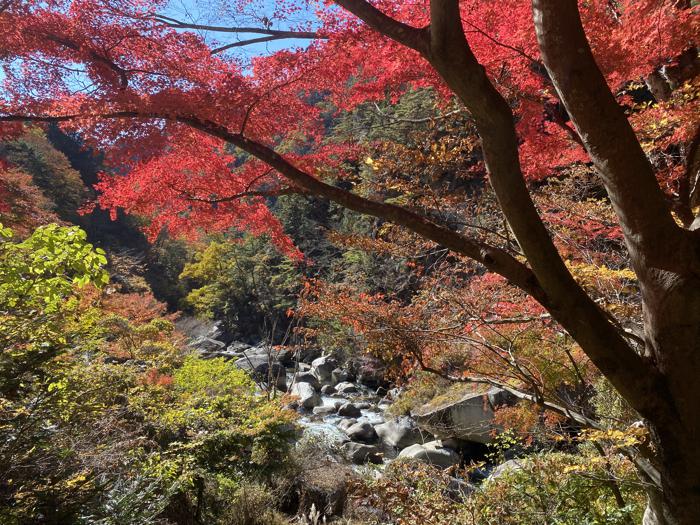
543 488
105 417
40 279
562 489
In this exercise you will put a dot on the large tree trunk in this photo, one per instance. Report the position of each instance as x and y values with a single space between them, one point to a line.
672 327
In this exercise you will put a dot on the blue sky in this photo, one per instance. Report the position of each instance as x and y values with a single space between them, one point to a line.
221 13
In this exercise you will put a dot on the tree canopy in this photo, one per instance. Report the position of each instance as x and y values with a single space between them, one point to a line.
199 137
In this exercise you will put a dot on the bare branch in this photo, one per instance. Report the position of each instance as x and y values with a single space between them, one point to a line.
171 22
382 114
413 37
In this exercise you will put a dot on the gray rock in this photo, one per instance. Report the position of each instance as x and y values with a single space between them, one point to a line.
325 410
458 489
308 398
369 371
499 397
195 328
401 432
237 347
432 453
308 377
216 330
339 376
349 410
346 388
469 418
362 432
363 406
264 371
322 367
512 465
328 390
207 345
360 453
346 423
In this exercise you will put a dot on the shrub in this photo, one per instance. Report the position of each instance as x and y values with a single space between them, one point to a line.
565 489
252 504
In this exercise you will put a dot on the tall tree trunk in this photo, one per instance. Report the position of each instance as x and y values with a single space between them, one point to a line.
672 328
663 255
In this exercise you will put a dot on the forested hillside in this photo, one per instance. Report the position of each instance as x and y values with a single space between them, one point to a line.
352 262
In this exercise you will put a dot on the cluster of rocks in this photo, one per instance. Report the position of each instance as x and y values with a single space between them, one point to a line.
351 399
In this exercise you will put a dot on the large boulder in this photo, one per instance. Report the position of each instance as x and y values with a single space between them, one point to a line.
349 410
369 371
207 346
346 423
325 410
363 432
432 453
308 398
468 418
401 432
264 370
339 375
346 388
195 328
360 453
322 367
307 377
328 390
237 347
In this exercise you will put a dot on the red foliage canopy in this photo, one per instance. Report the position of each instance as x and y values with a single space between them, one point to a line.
139 88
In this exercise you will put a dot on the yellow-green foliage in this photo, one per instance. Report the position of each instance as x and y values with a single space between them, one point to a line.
244 282
555 488
544 488
105 419
40 279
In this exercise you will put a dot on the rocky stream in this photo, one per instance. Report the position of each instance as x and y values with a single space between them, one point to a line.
345 406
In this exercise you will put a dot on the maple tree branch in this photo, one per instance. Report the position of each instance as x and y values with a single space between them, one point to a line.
255 41
449 53
536 399
566 301
517 50
413 37
654 239
172 22
493 258
243 194
70 44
